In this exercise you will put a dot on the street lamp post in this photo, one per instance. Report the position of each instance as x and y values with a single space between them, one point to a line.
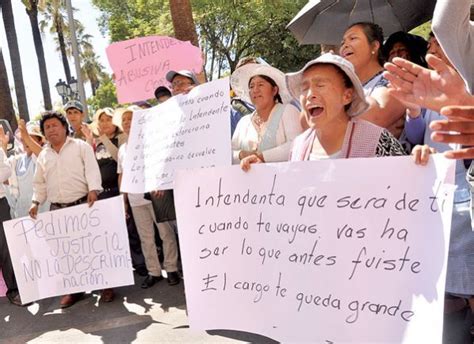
67 91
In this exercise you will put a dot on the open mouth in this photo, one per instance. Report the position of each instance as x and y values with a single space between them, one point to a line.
347 54
315 111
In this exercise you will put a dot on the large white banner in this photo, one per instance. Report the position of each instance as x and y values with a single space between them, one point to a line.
70 250
187 131
338 251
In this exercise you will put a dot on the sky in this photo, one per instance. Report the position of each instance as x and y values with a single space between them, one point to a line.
87 14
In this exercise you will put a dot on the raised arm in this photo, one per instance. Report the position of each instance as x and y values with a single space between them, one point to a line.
27 140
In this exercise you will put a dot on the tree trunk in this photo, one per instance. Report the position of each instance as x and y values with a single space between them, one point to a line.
62 47
9 23
183 24
6 104
33 15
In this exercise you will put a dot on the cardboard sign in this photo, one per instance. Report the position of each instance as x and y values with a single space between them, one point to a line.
140 64
337 251
70 250
186 131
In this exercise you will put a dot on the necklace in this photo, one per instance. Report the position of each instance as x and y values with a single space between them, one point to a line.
258 121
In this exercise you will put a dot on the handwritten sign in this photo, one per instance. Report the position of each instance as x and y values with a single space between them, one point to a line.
331 251
140 64
187 131
70 250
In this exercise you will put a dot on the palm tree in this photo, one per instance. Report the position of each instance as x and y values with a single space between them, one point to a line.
6 103
9 23
54 14
83 39
32 7
91 69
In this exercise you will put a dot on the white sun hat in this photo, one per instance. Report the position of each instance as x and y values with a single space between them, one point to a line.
94 126
118 114
358 105
239 80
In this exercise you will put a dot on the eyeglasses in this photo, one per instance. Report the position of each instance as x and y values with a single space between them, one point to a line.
179 84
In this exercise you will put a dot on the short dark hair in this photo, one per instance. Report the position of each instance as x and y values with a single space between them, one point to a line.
417 46
272 82
162 91
374 33
54 114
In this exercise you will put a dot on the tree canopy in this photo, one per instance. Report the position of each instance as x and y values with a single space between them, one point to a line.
134 18
228 30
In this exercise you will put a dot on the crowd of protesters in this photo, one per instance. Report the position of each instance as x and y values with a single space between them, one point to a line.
369 99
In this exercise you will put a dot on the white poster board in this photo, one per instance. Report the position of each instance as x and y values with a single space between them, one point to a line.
186 131
337 251
70 250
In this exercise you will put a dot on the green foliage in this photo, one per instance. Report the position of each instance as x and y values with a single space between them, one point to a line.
134 18
105 96
423 30
230 30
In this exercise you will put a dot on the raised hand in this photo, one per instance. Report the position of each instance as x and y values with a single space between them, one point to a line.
86 131
418 86
458 128
22 128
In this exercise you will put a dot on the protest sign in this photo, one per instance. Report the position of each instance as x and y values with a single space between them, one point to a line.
70 250
336 251
186 131
140 64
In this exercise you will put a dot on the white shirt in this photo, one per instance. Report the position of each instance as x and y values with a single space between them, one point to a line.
5 172
134 199
66 176
288 128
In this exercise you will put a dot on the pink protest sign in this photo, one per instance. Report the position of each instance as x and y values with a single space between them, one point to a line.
140 64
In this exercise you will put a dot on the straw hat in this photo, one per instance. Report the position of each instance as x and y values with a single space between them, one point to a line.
240 79
358 105
33 128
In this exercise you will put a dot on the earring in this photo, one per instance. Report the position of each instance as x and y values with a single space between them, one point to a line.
373 52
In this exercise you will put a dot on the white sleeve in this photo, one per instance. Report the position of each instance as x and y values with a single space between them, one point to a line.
91 168
291 126
39 181
239 133
455 34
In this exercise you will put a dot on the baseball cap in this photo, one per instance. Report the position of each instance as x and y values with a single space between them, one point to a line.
76 104
186 73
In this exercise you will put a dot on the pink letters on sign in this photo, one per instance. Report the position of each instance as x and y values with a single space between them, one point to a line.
140 64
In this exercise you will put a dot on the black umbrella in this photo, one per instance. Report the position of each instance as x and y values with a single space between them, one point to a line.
324 21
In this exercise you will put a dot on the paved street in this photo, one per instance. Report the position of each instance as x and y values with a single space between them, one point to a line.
155 315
